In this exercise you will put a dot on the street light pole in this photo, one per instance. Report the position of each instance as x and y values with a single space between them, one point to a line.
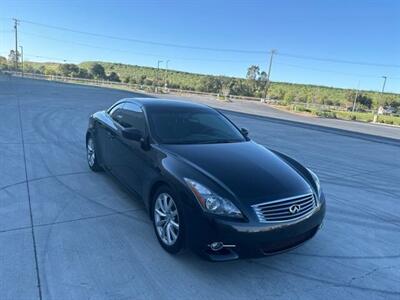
383 87
22 59
158 71
383 90
166 71
355 98
16 23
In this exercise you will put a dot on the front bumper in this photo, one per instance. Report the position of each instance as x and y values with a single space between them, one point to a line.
251 239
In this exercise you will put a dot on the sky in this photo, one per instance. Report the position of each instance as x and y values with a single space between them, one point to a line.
328 42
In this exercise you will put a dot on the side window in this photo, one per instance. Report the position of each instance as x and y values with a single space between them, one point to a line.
116 112
133 117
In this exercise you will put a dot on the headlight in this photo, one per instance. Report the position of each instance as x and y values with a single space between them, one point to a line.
316 180
211 202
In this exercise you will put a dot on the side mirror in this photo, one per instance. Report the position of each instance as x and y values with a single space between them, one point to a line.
132 134
244 131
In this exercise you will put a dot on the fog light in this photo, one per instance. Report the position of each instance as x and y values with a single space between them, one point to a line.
216 246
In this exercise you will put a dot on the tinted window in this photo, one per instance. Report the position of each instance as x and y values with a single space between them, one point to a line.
191 126
132 117
116 111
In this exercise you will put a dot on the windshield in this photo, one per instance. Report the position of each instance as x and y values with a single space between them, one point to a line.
190 125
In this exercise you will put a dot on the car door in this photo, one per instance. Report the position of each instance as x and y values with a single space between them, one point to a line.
109 131
130 160
105 132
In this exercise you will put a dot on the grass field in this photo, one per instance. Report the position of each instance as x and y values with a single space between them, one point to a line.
344 115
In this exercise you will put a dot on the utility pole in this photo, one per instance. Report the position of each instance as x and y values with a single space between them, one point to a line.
158 71
166 71
355 98
16 23
384 84
383 90
273 51
383 87
22 59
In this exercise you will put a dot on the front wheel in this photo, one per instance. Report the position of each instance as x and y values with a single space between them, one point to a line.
91 155
168 220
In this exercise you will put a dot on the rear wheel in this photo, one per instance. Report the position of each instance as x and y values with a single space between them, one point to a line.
91 155
168 220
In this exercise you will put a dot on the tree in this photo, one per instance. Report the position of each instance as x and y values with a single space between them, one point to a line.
69 70
84 73
3 63
226 87
364 100
50 71
253 72
97 70
258 80
142 79
13 57
210 84
113 77
276 93
262 83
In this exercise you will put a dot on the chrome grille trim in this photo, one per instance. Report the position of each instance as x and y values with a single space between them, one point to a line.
277 211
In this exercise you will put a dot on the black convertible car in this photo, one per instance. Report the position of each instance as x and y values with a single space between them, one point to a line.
205 184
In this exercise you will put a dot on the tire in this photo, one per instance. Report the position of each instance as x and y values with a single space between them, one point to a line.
170 217
91 155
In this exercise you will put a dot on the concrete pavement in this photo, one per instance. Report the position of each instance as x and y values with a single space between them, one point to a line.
68 233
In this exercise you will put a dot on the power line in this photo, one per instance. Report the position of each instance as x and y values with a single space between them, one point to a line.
147 41
247 51
50 57
332 60
327 71
133 52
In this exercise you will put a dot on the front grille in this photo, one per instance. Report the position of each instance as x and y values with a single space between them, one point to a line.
287 209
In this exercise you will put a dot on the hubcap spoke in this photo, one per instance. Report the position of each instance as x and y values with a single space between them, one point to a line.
172 233
173 223
168 229
160 213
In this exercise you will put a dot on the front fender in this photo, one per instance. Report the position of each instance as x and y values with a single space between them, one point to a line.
299 168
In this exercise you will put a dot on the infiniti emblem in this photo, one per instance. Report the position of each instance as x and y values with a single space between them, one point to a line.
294 208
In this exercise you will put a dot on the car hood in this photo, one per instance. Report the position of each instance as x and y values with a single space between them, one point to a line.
248 170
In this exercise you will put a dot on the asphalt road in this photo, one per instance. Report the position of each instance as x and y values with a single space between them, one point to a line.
364 130
91 240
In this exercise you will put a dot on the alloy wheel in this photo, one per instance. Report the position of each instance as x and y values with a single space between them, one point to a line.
166 218
91 156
